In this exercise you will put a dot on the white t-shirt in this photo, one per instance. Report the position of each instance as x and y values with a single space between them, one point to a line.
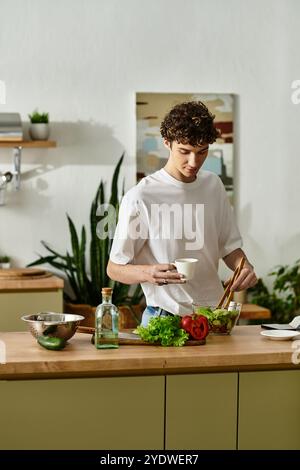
162 219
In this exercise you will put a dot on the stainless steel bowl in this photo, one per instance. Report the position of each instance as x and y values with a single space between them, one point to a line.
57 325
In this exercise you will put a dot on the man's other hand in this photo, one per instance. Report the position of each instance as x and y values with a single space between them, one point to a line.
246 279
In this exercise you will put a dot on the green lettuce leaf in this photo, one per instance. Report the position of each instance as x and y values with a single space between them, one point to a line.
164 330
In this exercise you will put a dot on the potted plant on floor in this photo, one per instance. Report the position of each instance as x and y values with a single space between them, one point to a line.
283 297
39 128
86 287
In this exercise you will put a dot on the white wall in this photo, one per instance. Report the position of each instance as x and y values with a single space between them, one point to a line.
82 60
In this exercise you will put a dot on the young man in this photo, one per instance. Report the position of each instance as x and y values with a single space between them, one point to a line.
179 211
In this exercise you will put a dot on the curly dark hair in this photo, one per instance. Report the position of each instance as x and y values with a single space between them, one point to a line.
189 123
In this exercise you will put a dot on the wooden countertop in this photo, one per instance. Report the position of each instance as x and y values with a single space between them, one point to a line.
30 285
244 350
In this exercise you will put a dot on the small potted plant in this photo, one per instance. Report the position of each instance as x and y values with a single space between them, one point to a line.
39 128
4 262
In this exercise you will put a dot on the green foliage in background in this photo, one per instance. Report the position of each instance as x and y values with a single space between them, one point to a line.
4 259
39 118
87 287
284 298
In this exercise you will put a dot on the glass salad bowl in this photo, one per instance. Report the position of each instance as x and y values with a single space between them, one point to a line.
221 321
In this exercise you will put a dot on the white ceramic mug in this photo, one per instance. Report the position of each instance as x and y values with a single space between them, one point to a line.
186 266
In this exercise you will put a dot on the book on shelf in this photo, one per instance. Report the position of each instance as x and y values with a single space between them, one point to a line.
10 127
11 137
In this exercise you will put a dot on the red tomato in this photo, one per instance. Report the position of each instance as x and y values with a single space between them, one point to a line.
186 323
199 327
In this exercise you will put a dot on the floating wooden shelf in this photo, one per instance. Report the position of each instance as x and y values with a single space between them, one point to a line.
29 143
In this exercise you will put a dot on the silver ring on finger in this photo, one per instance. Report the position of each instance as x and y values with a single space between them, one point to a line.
165 281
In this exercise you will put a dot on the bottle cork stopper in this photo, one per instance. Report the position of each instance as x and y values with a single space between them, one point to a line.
106 290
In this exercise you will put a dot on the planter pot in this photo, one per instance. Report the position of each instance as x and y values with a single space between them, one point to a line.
39 131
129 316
87 311
4 265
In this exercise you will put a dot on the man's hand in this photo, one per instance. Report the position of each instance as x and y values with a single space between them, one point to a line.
162 274
246 279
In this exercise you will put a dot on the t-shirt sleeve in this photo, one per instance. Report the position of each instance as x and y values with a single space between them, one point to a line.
129 236
230 238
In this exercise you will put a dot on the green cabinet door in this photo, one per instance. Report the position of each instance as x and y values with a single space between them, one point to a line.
269 410
97 413
15 304
201 411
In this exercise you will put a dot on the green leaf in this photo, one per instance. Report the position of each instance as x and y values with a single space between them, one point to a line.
42 260
114 185
74 239
284 297
164 330
38 118
52 250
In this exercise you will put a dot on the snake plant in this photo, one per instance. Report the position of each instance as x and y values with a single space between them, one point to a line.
86 286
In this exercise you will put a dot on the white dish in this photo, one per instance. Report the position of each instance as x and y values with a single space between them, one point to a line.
280 335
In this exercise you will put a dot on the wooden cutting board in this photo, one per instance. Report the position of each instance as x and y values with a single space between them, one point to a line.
23 274
131 339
